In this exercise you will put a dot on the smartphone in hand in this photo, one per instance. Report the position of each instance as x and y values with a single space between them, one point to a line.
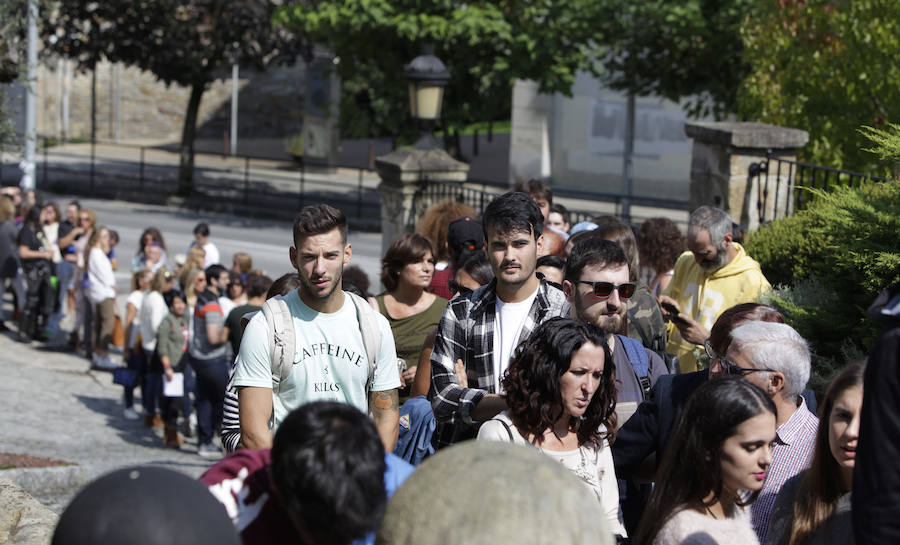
673 311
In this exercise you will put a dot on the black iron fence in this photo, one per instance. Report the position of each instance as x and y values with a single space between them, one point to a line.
258 186
243 185
779 185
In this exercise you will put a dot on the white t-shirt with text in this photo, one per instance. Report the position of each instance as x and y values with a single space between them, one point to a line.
508 322
330 361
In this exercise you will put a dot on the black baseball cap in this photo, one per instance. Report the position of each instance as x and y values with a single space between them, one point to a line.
465 233
145 506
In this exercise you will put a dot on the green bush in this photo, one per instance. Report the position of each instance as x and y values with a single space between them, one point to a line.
829 262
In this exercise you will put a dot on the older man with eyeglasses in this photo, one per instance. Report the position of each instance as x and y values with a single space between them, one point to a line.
641 441
776 358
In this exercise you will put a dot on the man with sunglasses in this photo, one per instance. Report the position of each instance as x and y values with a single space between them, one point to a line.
483 329
597 285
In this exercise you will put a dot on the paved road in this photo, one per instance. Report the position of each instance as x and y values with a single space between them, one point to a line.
52 405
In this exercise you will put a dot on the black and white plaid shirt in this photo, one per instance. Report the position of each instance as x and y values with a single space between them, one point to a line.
466 332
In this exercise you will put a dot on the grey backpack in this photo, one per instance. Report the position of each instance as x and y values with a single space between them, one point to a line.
281 352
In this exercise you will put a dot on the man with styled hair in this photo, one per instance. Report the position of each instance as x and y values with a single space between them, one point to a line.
482 330
330 361
325 481
715 274
540 192
776 358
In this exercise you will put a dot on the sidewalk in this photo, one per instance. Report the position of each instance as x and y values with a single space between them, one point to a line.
52 405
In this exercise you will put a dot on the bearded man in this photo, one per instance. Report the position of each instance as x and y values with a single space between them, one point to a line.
715 274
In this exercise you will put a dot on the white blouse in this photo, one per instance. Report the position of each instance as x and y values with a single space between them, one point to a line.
592 465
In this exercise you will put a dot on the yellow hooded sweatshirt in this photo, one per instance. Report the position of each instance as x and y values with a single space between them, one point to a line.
703 296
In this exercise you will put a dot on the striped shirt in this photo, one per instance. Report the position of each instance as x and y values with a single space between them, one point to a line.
792 452
466 332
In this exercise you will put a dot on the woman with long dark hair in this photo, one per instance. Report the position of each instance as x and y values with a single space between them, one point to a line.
561 393
36 255
715 465
813 507
151 253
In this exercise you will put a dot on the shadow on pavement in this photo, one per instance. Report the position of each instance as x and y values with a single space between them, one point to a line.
131 431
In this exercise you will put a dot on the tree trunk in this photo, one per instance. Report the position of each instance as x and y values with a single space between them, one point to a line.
186 151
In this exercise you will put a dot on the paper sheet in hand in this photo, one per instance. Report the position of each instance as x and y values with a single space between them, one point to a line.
174 387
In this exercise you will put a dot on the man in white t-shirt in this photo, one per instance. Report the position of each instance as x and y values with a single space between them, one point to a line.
330 359
201 239
483 329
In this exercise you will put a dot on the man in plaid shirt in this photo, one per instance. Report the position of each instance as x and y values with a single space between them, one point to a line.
776 358
482 330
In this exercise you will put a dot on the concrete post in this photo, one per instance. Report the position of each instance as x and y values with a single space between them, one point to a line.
403 173
720 163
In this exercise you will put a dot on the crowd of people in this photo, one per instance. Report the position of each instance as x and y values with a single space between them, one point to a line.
640 359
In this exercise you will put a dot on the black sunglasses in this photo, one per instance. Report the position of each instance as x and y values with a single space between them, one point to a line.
602 290
459 289
732 368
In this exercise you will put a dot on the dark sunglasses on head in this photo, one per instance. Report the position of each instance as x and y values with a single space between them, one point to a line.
458 289
602 290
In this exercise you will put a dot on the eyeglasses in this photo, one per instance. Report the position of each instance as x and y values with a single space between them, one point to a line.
732 368
602 290
459 289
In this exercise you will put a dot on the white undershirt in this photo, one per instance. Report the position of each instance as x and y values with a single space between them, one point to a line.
508 323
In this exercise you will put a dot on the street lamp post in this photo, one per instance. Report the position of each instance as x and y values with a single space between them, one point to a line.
427 77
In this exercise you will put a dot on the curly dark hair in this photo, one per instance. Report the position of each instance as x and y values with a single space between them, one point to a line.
532 381
660 242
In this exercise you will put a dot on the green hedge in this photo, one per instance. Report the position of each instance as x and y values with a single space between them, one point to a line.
828 262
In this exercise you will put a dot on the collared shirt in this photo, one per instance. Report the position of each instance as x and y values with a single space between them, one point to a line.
466 332
792 452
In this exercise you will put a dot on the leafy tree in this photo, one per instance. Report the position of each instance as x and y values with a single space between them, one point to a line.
485 44
829 262
187 42
677 49
825 66
12 29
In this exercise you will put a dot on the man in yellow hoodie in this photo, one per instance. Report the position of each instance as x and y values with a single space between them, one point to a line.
714 275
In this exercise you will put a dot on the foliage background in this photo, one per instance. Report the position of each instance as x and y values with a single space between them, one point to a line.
825 66
828 263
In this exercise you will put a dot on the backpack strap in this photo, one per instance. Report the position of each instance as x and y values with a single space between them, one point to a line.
640 362
371 333
281 343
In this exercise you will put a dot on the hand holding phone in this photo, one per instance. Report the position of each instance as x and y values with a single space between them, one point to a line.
673 311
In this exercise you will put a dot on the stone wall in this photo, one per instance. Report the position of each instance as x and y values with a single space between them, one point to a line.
133 105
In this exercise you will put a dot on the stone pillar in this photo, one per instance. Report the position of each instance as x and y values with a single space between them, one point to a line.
720 162
404 172
529 135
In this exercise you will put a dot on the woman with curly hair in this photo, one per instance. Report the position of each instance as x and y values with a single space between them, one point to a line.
660 242
561 393
814 507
